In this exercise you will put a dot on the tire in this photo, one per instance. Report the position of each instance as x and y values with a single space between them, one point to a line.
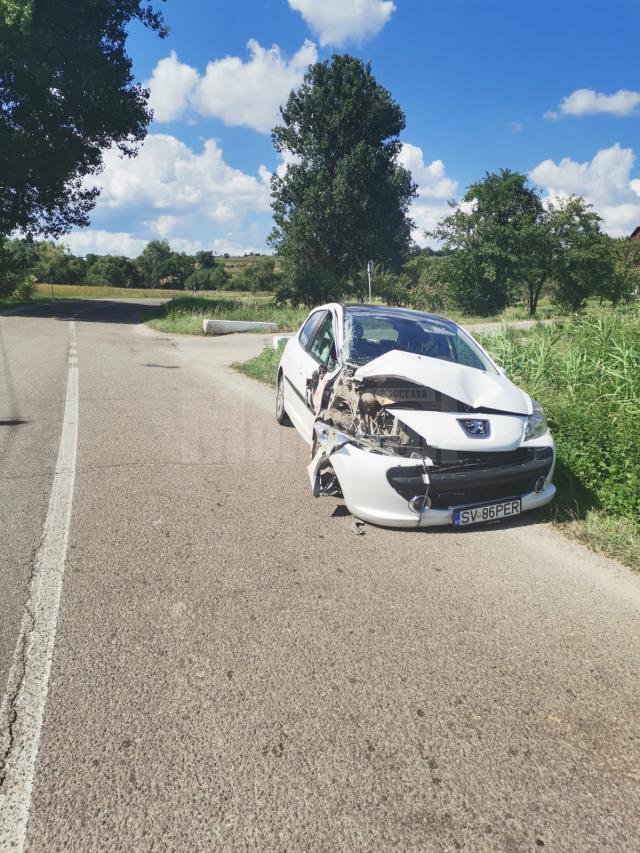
281 412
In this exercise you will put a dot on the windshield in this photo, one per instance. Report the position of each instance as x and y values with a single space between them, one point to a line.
369 334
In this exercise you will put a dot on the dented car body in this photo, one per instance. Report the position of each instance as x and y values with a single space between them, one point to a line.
411 421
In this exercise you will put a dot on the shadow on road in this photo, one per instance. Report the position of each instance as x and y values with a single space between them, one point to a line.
86 311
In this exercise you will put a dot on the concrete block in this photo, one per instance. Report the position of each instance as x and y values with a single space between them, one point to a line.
228 327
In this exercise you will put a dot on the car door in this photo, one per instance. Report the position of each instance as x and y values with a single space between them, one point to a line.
298 367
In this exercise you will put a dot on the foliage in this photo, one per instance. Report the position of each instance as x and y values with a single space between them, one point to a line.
260 275
582 257
430 291
586 374
52 263
112 270
625 285
66 95
309 286
344 198
392 288
214 277
502 244
158 267
492 241
162 267
13 266
27 289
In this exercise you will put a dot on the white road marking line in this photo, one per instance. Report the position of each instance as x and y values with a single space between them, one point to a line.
23 706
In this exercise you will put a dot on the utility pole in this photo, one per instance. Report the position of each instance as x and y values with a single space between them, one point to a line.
370 268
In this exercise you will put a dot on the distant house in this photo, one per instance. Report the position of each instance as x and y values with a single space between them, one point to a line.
636 234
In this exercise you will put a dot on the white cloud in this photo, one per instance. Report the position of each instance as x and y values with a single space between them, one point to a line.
170 191
170 86
432 180
584 102
605 182
250 93
435 188
164 225
246 94
338 21
230 246
100 242
169 176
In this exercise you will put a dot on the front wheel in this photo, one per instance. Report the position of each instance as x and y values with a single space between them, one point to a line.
281 413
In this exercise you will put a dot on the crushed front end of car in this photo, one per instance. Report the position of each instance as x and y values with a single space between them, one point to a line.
467 447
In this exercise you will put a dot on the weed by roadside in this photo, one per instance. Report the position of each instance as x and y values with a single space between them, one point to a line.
264 366
586 374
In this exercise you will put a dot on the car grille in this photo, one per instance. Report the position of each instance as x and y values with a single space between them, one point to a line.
482 477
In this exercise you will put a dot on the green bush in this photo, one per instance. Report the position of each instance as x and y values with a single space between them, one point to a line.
211 278
26 289
259 275
13 268
310 287
586 374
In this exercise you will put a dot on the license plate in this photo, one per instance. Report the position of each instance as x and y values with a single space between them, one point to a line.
486 512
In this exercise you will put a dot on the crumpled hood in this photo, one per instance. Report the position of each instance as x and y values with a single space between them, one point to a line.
470 386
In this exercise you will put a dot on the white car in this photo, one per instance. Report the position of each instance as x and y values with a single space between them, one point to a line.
411 421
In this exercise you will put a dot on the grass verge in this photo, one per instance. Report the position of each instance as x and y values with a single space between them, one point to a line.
263 367
185 314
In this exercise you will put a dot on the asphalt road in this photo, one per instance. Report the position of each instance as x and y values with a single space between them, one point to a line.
234 669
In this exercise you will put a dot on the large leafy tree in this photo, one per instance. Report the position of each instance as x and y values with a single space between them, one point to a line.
495 242
66 94
583 260
344 198
504 240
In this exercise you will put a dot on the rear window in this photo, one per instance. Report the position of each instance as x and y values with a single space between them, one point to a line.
369 334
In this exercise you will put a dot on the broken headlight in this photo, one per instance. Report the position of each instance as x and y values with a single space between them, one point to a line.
536 422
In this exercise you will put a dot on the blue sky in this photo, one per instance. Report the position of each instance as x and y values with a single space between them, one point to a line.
548 88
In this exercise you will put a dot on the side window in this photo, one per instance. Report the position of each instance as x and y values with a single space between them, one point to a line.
323 345
309 327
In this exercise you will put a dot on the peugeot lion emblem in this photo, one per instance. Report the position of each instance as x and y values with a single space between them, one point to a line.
474 427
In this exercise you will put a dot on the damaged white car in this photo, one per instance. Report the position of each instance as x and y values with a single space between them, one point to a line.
411 421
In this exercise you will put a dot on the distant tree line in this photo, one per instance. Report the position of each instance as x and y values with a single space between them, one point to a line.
158 266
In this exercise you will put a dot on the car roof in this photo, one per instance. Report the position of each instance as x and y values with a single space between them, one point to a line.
396 312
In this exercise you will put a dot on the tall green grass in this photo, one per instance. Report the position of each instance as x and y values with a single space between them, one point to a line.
586 374
185 314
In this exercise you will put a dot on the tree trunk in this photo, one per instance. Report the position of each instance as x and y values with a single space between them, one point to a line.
535 289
